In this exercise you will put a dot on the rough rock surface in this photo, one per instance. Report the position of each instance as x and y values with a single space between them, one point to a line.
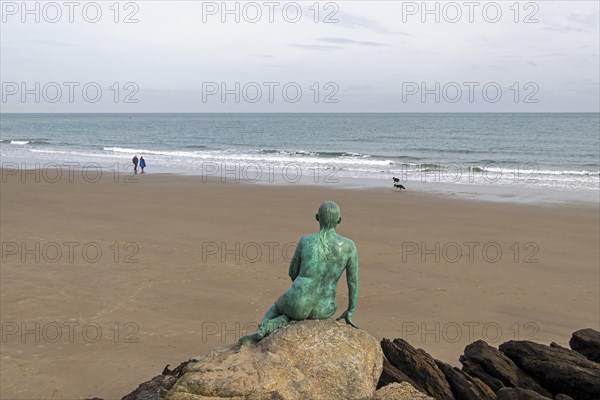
475 370
519 394
305 360
392 374
157 387
496 364
400 391
561 396
560 370
418 366
587 343
524 394
464 386
328 360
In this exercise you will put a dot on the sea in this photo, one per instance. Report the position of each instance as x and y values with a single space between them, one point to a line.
532 158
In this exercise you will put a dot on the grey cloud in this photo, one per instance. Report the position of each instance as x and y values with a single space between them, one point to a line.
273 65
55 43
590 20
421 52
317 47
488 67
336 43
358 88
484 39
562 28
581 82
547 55
351 41
348 20
551 55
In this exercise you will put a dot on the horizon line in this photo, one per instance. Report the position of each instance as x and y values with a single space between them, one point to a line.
310 113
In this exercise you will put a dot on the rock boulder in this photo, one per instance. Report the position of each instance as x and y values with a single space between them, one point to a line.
400 391
587 343
507 393
392 374
499 366
305 360
560 370
464 386
419 366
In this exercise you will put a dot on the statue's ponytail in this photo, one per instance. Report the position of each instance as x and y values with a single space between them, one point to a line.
329 215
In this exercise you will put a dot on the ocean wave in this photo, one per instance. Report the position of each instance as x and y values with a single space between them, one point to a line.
351 163
22 142
168 153
343 155
252 155
130 150
533 171
70 153
319 153
522 170
285 152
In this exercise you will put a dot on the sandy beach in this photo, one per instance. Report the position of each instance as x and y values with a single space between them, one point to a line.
103 284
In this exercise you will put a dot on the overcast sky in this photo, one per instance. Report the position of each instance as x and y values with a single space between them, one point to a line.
351 56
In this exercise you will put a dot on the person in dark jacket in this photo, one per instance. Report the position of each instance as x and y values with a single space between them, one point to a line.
135 163
142 164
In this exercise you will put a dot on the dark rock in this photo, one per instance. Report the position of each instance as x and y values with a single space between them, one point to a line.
157 387
392 374
418 366
558 369
562 397
554 344
154 389
587 343
179 370
475 370
519 394
465 387
497 365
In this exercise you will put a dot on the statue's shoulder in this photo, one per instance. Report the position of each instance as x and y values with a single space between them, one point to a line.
348 242
307 238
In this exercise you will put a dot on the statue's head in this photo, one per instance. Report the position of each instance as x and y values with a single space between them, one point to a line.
328 215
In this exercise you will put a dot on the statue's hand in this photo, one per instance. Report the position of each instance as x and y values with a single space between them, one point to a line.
347 316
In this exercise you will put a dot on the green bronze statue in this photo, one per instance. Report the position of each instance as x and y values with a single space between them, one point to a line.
317 265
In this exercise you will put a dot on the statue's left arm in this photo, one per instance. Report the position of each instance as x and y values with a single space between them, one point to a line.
352 279
296 261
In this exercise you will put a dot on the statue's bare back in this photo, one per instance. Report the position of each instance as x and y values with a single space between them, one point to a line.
318 263
313 291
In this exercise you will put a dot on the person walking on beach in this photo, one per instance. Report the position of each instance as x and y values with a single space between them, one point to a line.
135 163
142 163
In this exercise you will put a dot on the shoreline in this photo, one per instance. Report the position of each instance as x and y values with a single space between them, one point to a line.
197 281
122 171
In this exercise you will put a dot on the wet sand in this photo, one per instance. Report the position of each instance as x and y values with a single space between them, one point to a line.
130 277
